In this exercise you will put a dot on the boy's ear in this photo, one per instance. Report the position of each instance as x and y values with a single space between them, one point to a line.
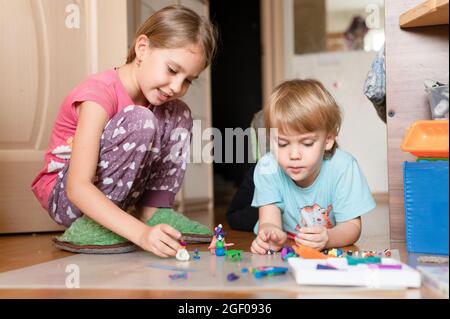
142 44
329 141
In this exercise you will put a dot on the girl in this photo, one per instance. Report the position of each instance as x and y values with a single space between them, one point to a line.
121 137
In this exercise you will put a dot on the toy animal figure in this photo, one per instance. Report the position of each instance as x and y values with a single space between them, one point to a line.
315 215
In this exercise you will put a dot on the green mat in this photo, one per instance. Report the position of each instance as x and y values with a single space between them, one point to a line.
178 221
85 231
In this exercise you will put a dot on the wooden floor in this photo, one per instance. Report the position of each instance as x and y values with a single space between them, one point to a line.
20 251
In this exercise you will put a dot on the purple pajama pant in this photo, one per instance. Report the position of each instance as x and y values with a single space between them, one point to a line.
142 160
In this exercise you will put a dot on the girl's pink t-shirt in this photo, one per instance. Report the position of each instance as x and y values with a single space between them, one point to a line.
104 88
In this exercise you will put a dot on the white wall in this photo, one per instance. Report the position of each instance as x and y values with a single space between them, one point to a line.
363 134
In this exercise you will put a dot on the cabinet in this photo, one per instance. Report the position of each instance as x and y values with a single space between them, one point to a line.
413 55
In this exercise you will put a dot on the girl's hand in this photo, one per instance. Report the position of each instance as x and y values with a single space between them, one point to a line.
269 237
161 240
315 237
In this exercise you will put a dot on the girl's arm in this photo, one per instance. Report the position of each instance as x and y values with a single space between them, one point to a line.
91 201
344 234
83 165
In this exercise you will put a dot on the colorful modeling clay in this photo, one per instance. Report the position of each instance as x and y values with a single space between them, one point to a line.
183 275
268 271
287 252
365 260
232 277
308 252
182 255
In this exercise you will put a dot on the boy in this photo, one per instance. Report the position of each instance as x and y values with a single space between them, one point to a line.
307 186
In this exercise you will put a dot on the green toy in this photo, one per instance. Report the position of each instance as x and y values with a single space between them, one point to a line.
233 254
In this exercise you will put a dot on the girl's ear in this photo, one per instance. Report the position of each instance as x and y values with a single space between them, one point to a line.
329 141
141 46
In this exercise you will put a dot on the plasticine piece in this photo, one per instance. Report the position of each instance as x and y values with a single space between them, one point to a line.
308 252
268 271
232 277
220 252
182 275
352 261
332 253
287 252
183 255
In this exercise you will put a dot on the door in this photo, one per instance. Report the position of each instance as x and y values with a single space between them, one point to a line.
48 47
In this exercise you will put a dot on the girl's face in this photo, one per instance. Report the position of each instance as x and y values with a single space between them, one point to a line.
166 74
301 156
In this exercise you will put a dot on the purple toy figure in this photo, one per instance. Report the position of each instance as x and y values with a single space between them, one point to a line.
219 236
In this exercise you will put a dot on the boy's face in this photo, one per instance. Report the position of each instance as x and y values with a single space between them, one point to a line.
301 156
166 74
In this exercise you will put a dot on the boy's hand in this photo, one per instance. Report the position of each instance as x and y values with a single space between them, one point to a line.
315 237
269 237
161 240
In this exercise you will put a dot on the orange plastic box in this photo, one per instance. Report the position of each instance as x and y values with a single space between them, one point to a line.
427 139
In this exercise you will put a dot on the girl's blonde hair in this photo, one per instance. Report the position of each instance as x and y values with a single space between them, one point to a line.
176 26
303 106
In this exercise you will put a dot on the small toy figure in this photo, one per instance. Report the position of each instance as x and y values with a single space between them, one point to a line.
233 254
182 255
196 254
218 245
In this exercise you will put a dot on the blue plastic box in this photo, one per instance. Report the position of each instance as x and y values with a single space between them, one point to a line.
426 207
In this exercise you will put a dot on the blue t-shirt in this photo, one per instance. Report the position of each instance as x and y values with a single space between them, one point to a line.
339 193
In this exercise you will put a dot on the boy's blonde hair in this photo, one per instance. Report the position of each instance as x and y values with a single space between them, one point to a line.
176 26
303 106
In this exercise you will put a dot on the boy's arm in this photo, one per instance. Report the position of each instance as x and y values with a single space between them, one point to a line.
271 226
270 232
344 234
270 216
83 165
